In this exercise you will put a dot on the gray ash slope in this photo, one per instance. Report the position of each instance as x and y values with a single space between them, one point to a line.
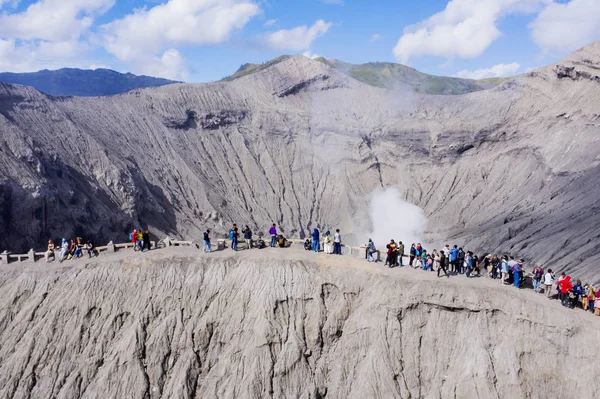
514 168
281 324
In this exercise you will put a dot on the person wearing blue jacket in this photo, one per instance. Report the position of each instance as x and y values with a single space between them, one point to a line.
413 254
315 237
453 259
578 292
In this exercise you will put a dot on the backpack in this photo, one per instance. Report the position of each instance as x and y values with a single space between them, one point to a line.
231 234
130 237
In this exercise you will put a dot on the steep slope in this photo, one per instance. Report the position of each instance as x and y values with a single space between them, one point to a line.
284 324
80 82
511 169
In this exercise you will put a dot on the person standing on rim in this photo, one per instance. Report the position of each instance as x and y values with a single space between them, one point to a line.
316 239
207 246
454 259
273 233
413 253
548 282
146 239
517 273
460 261
400 254
337 242
233 236
248 237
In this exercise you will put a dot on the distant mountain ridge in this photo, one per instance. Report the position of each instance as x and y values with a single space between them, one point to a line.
83 82
388 75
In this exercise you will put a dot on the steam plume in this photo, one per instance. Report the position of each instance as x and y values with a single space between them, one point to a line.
393 218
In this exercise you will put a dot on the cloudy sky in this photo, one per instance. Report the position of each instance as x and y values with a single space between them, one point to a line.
205 40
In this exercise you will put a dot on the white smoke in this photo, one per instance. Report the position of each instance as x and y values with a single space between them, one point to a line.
393 218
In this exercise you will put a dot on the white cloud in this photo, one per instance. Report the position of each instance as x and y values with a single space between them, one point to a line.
375 37
176 22
47 34
465 29
299 38
170 65
567 27
497 71
271 22
15 58
53 20
31 57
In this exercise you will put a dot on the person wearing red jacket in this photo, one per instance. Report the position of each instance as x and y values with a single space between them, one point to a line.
564 287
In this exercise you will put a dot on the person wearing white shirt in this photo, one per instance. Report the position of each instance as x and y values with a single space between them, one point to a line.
548 281
337 242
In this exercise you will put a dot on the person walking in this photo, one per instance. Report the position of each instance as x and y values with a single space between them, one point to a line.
91 249
371 251
248 237
443 264
273 233
548 282
337 242
316 240
469 263
538 275
207 245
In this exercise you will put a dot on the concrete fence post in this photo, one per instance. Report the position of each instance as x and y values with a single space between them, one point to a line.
31 255
4 257
110 247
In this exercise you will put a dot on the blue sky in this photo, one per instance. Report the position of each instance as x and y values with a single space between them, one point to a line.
205 40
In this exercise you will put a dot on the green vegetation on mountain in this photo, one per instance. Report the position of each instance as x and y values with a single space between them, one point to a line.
249 69
388 75
392 76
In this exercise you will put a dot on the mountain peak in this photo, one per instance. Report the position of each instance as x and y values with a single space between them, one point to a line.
385 75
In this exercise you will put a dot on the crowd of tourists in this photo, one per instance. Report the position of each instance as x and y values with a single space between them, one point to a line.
506 269
70 249
75 248
329 243
449 261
